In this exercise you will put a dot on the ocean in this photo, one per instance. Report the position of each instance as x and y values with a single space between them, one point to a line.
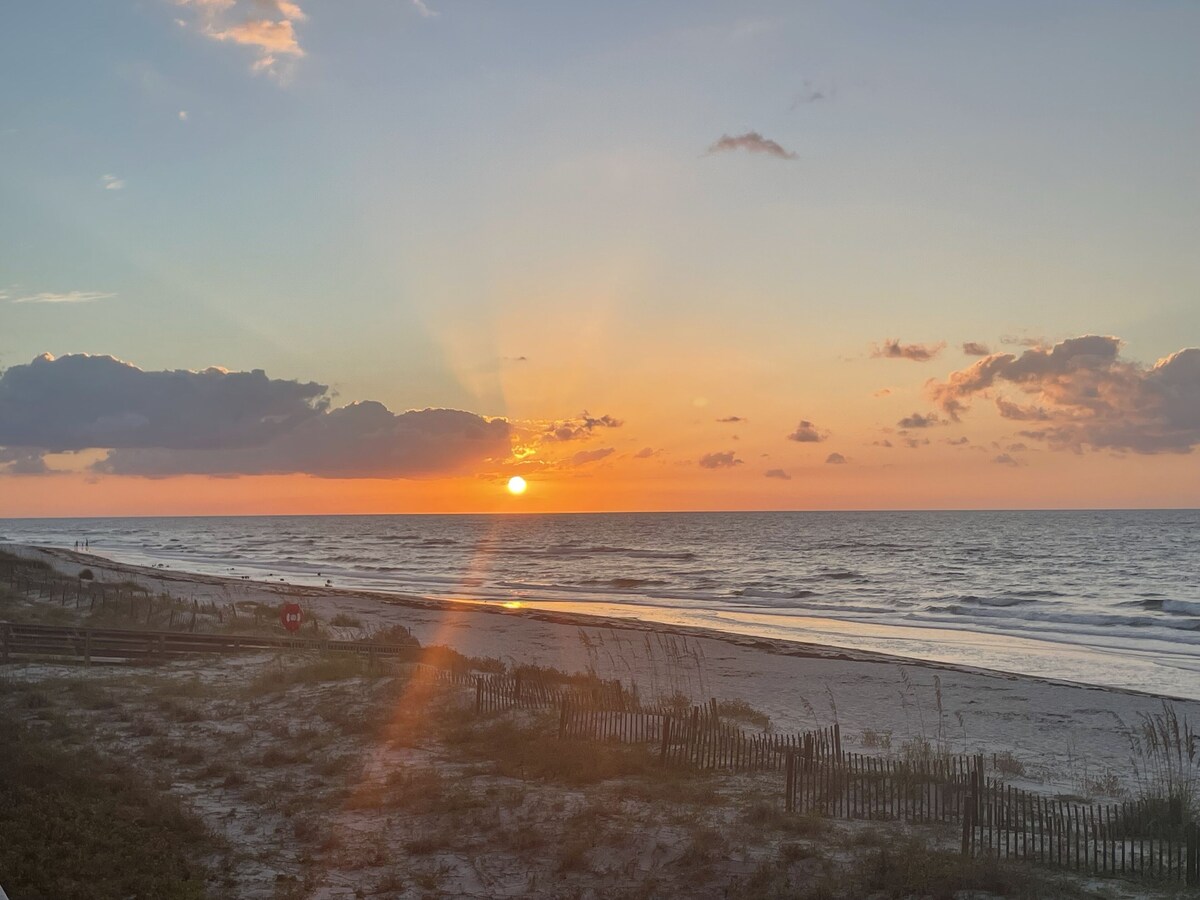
1100 597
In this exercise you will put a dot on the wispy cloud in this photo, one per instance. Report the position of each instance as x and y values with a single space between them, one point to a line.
777 473
51 297
579 427
111 182
731 420
835 459
750 142
811 93
583 457
974 348
422 10
266 26
891 348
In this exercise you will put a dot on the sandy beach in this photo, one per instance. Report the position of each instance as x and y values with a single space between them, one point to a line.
1066 735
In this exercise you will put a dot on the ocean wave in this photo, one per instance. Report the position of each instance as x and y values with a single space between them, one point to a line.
768 594
1003 601
1181 607
623 583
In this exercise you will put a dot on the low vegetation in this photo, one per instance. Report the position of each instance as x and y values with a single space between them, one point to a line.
77 823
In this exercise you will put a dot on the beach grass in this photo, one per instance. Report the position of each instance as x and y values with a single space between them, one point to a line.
78 823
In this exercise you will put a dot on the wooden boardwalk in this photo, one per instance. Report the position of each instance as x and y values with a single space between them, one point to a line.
113 645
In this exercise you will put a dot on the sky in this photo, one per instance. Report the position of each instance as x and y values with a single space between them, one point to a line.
260 256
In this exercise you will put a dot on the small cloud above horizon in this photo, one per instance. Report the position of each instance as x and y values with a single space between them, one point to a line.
112 183
974 348
806 433
835 459
720 460
750 142
891 348
916 420
777 473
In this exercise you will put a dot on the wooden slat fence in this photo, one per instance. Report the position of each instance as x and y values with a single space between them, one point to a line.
1136 838
494 693
855 786
1133 839
699 740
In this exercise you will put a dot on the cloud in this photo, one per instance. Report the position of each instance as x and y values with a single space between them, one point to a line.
751 142
731 420
67 297
583 457
777 473
215 422
882 392
266 26
916 420
20 461
183 115
956 442
579 427
891 348
974 348
422 10
805 433
835 459
645 453
1086 395
719 460
111 182
809 93
1005 460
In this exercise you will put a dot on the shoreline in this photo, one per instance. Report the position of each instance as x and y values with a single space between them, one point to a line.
1058 739
1068 734
792 647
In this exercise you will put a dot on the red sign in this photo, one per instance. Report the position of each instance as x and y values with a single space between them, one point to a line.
290 616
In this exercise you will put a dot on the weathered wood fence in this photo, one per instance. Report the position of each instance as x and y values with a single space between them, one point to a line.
1137 838
855 786
699 739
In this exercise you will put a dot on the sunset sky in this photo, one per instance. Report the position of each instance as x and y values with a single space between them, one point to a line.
680 255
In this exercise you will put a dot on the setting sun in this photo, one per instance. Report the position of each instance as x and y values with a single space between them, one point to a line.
516 485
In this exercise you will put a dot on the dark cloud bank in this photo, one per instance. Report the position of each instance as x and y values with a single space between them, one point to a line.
216 422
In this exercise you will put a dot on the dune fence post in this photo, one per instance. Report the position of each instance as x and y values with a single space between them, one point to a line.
1191 838
666 739
789 786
